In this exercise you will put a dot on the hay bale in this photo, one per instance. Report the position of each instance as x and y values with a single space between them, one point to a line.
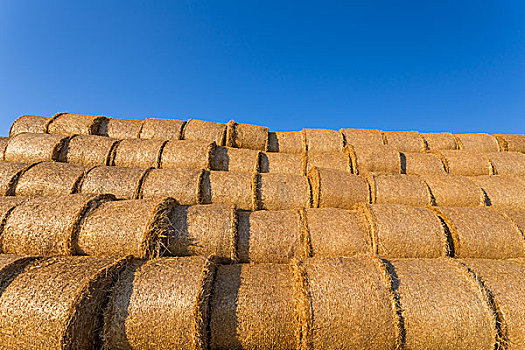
71 124
518 217
160 304
9 174
224 187
322 140
506 192
200 130
282 191
120 128
11 266
236 159
477 142
454 191
56 303
34 148
116 229
465 163
187 154
50 179
184 185
337 189
340 161
137 153
47 225
29 123
286 142
482 233
119 181
336 232
437 141
89 150
399 189
442 306
405 141
271 236
161 129
507 163
204 230
363 137
284 163
511 143
7 204
380 160
423 164
252 307
246 136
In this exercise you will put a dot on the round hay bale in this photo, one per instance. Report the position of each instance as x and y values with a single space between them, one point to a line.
286 142
204 230
246 136
518 217
465 163
161 129
337 189
29 123
3 145
477 142
200 130
137 153
454 191
437 141
252 307
379 160
506 192
405 141
236 159
187 154
336 232
511 143
89 150
160 304
10 267
507 163
399 189
482 233
119 181
71 124
271 236
363 137
439 298
282 191
322 140
423 164
115 229
283 163
224 187
7 204
121 128
47 225
31 148
340 161
50 179
184 185
9 175
56 303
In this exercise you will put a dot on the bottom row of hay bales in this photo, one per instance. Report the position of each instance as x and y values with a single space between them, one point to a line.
193 303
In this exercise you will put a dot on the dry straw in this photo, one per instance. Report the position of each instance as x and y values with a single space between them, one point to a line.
286 142
89 150
56 303
518 217
466 163
71 124
405 141
284 163
380 160
247 136
224 187
120 128
282 191
236 159
137 153
184 185
322 140
200 130
439 141
399 189
340 161
423 164
454 191
512 143
161 129
477 142
502 191
35 148
119 181
363 137
161 304
9 174
10 267
187 154
507 163
7 204
29 123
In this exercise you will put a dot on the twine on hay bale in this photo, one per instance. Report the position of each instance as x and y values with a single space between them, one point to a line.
187 154
283 163
162 129
337 189
71 124
137 153
129 227
340 161
477 142
511 143
120 181
161 304
454 191
9 174
56 303
379 160
224 187
423 164
184 185
200 130
29 123
501 191
35 148
89 150
399 189
323 140
438 141
246 136
363 137
120 128
236 159
286 142
282 191
465 163
507 163
405 141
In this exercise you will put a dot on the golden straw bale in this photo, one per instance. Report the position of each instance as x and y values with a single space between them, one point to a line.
56 303
225 187
119 181
511 143
443 307
34 148
161 129
507 163
9 175
363 137
323 140
518 217
405 141
160 304
253 307
121 128
399 189
7 204
380 160
466 163
477 142
340 161
3 145
423 164
337 189
246 136
11 266
502 191
437 141
283 191
88 150
187 154
29 123
71 124
138 153
284 163
200 130
454 191
236 159
286 142
184 185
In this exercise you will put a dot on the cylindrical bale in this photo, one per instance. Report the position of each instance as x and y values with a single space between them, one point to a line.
283 191
323 140
442 306
363 137
423 164
161 129
7 204
506 192
204 230
129 227
405 141
507 163
224 187
253 307
71 124
3 145
477 142
466 163
88 150
47 225
482 233
187 154
236 159
511 143
454 191
437 141
337 189
340 161
11 266
29 123
119 181
200 130
121 128
184 185
518 217
247 136
160 304
399 189
137 153
351 303
271 236
504 278
379 160
286 142
34 147
56 303
50 179
9 174
337 232
283 163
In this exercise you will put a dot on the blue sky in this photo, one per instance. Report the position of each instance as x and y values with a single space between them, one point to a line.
392 65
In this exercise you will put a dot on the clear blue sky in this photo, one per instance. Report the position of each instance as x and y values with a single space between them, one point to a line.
391 65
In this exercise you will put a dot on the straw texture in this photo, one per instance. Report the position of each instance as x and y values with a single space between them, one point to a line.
466 163
119 181
337 189
322 140
399 189
477 142
121 128
518 217
29 123
221 187
187 154
89 150
512 143
507 163
71 124
246 136
439 141
405 141
286 142
379 160
423 164
363 137
34 147
501 191
6 206
454 191
329 160
184 185
9 174
236 159
284 163
161 129
283 191
138 153
200 130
